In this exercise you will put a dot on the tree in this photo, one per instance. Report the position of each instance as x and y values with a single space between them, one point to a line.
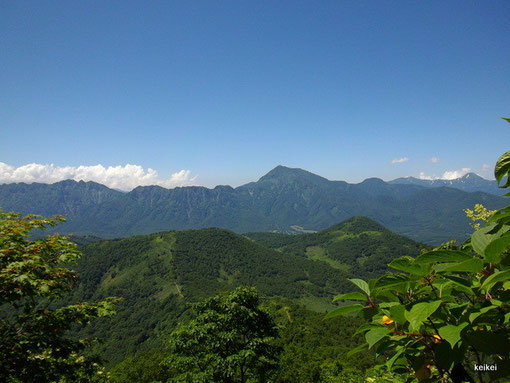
230 340
34 346
143 367
447 309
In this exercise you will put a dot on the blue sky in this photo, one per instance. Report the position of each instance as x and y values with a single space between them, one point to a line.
228 90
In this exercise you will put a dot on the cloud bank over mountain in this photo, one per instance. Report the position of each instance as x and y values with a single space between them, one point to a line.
119 177
447 175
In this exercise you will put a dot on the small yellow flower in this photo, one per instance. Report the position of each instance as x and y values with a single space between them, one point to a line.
386 320
437 339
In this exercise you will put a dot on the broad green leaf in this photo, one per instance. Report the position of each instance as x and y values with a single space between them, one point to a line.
502 167
391 361
375 335
351 296
392 280
480 239
361 284
460 284
442 256
407 264
420 312
356 350
500 214
365 327
472 265
451 333
495 248
397 313
473 316
495 278
343 310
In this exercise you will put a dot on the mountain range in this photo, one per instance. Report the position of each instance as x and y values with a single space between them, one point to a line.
285 200
470 182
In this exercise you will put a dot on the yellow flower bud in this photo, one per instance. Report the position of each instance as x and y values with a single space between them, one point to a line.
386 320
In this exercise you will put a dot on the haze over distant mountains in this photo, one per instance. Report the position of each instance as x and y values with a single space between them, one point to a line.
282 200
471 182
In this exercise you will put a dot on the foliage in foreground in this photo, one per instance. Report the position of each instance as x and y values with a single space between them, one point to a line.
34 346
230 340
448 309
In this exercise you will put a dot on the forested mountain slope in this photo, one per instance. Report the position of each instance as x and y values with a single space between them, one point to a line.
281 199
359 245
159 273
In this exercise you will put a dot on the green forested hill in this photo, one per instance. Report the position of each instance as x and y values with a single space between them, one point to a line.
282 199
157 274
358 245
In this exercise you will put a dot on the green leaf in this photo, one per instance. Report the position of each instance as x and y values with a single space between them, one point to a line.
392 280
473 316
451 333
356 350
407 264
495 278
442 256
506 119
343 310
362 285
397 313
480 239
375 335
495 248
420 312
351 296
391 361
500 214
472 265
502 167
460 284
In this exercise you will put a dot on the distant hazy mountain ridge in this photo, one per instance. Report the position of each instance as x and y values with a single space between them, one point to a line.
470 182
283 198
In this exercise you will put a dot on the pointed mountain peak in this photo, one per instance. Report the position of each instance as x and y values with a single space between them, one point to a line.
471 176
286 174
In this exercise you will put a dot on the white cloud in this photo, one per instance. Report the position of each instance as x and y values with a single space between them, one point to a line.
453 174
434 160
447 175
124 177
399 160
